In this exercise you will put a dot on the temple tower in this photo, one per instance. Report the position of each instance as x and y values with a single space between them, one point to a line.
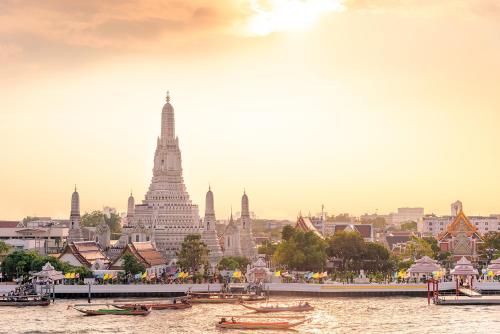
232 245
130 206
167 208
209 234
247 242
103 234
75 231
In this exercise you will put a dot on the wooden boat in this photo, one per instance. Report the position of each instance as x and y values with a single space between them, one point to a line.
281 325
270 309
252 299
143 310
24 301
157 306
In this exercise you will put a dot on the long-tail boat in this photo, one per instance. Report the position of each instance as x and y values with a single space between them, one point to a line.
223 298
157 306
270 309
32 300
272 325
139 310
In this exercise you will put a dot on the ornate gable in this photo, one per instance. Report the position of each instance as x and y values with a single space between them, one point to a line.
460 226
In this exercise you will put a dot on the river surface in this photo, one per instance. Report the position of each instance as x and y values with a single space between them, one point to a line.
332 315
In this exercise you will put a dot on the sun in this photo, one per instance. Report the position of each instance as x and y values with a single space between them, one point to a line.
283 15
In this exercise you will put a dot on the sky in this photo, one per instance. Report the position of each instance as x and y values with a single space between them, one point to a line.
357 105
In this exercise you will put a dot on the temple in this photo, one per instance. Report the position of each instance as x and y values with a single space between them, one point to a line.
238 237
209 234
461 238
75 231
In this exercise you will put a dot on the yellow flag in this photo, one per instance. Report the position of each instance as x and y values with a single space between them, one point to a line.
316 275
105 277
67 275
72 275
277 273
145 274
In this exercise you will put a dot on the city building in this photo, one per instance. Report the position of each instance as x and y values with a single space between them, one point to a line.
407 215
436 225
44 235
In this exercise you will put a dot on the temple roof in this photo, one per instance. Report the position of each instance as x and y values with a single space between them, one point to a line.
460 224
424 265
464 267
365 230
87 252
305 224
145 252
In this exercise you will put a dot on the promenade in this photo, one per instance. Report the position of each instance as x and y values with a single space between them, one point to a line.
291 289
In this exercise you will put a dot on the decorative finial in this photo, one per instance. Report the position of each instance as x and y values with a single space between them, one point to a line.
131 192
75 187
209 187
168 96
244 191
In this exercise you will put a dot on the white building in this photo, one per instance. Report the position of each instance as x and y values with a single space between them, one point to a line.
407 215
436 225
44 236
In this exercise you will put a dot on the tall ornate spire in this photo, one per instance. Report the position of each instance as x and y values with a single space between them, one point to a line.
167 121
75 233
130 205
209 210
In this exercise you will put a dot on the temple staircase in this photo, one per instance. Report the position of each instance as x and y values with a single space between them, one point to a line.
470 293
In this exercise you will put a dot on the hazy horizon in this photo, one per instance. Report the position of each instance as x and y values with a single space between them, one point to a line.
359 105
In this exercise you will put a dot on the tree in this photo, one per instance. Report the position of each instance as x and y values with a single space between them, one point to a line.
4 248
409 226
343 217
29 219
131 265
95 217
348 247
490 248
193 253
233 263
378 222
287 232
417 248
21 263
376 258
268 248
301 251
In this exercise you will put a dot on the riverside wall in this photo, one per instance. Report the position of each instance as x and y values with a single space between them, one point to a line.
288 289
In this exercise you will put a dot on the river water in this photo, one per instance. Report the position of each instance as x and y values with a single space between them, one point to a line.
332 315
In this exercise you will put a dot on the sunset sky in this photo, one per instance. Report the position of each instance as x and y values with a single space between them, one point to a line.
358 105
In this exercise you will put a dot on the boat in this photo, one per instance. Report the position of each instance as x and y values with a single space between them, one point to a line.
272 325
157 306
270 309
32 300
139 310
223 298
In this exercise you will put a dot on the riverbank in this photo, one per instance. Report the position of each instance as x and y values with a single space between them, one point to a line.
285 289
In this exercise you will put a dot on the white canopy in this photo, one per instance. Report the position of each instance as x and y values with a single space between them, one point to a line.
494 266
48 273
464 268
424 265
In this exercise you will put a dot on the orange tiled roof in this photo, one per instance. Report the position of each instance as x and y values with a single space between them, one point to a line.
147 253
87 252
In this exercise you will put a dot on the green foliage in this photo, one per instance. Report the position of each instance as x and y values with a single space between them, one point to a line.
268 248
300 250
233 263
343 217
376 259
4 248
378 222
287 232
490 248
348 247
21 263
419 247
193 253
409 226
94 218
131 265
